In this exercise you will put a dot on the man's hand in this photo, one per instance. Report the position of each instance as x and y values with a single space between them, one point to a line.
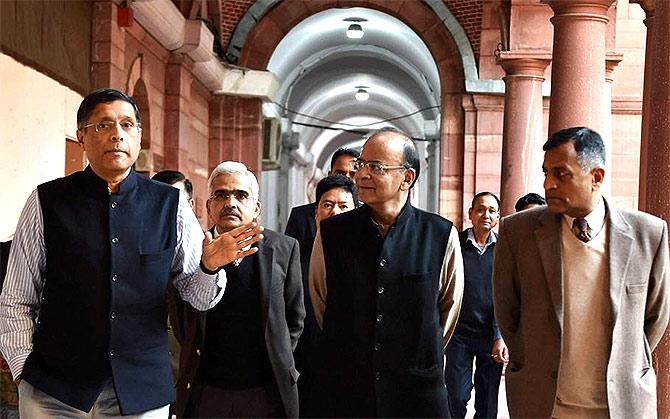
228 246
499 352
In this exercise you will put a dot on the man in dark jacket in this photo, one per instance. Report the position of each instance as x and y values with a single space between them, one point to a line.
477 337
237 357
301 224
387 302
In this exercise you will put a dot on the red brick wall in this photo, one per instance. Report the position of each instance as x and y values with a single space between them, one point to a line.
469 15
231 13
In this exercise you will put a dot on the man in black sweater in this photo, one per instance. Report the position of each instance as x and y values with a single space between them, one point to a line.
477 336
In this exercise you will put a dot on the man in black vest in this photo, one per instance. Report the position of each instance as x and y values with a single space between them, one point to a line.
82 312
386 282
237 357
301 224
477 337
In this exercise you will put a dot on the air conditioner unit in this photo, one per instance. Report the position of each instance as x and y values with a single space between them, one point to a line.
271 143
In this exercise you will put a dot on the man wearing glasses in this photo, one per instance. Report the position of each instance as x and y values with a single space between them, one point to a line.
82 312
237 357
386 282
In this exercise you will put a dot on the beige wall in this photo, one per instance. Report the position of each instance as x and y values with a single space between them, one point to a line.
38 114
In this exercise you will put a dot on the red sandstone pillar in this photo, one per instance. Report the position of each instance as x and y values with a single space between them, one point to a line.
236 131
613 59
658 166
107 56
649 9
578 64
178 81
522 127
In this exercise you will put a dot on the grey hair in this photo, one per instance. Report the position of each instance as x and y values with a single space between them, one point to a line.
589 146
233 168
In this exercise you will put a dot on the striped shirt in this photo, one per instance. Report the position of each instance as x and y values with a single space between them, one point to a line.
20 299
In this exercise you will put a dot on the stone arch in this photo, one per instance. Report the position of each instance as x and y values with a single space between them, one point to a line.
425 18
452 53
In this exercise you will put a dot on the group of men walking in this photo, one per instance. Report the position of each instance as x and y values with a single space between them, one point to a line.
373 308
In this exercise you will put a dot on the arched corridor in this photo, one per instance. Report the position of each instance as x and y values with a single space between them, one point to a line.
279 86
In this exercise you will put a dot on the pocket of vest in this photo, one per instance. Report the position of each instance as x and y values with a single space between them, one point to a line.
146 258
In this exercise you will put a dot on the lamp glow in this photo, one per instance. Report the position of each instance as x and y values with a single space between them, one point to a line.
362 95
355 31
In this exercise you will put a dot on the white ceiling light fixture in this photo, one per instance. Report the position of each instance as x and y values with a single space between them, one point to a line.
362 94
355 30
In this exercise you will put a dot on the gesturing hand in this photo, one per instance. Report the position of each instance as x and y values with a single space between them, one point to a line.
228 246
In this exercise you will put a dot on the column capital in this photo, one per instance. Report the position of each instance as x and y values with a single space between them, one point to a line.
528 63
580 9
612 59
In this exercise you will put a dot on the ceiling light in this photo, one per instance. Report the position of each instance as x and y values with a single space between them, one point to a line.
362 95
355 31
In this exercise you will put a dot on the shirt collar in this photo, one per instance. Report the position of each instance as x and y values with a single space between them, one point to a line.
472 239
595 218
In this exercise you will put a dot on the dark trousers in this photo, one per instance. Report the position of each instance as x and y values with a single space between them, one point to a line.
213 402
460 354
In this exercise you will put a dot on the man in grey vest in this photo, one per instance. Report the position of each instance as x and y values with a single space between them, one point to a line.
82 311
388 300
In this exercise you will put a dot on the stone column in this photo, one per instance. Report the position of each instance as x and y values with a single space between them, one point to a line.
578 64
522 127
236 131
178 79
108 54
649 9
613 59
658 166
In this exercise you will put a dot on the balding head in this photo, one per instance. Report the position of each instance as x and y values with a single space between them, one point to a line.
386 169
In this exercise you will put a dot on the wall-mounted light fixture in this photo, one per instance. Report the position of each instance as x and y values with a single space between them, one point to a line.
362 94
355 30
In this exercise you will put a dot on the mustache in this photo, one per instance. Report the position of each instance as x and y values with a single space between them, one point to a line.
230 211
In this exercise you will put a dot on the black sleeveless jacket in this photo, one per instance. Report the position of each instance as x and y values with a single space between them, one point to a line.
382 348
103 312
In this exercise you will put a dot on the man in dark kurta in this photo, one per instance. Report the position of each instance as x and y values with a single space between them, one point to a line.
387 301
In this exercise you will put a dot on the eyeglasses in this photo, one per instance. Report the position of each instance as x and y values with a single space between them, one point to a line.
103 127
376 168
223 195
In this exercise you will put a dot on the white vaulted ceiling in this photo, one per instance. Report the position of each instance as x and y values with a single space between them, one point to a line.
319 68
